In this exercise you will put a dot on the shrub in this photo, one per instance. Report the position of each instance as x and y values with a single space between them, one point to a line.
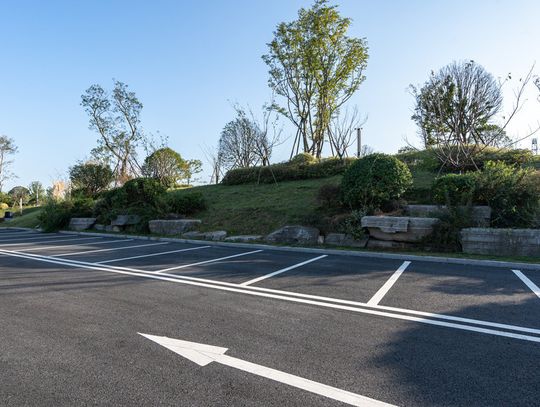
374 180
4 206
56 215
446 234
89 179
512 193
456 189
329 196
286 172
185 203
303 159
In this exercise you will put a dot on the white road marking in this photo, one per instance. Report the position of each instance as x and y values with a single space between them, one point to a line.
388 285
535 289
275 273
202 355
207 261
32 238
51 239
110 250
17 233
153 254
62 245
255 291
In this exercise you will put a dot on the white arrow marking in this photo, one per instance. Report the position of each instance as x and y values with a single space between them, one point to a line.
205 354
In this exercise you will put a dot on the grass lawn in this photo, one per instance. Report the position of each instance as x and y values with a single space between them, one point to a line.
260 209
29 218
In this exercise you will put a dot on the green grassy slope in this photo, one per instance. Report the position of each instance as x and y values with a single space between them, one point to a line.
29 219
259 209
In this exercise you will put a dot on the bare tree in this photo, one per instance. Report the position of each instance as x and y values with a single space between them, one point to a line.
457 111
116 118
214 159
7 149
341 132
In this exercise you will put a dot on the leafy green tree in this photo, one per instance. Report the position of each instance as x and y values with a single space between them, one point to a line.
194 167
316 68
167 166
19 194
90 179
36 192
116 117
7 148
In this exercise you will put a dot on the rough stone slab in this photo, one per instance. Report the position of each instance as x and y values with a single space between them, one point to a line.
342 239
215 235
244 238
502 242
112 228
294 235
81 223
173 226
399 229
99 226
481 215
126 220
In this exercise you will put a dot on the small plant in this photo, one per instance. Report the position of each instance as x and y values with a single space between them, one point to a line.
374 180
445 236
56 215
352 224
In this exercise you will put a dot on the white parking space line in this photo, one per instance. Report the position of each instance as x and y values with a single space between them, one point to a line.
207 261
375 310
52 239
535 289
275 273
111 249
153 254
17 233
388 285
61 245
31 238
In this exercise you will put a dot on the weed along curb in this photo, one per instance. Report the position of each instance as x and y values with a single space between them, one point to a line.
397 256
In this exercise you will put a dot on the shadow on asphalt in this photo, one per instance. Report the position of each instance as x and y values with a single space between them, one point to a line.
447 367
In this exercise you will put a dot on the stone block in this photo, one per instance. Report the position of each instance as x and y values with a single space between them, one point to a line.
81 223
294 235
173 226
398 229
503 242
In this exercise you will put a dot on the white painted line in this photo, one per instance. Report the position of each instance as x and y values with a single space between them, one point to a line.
207 261
275 273
375 310
110 250
61 245
18 233
32 238
202 355
528 282
388 285
52 239
153 254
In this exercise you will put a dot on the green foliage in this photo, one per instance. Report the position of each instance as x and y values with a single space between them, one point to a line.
167 166
6 198
303 159
56 215
90 179
456 188
352 224
287 172
512 193
374 180
37 192
423 160
184 203
445 236
19 192
329 197
316 68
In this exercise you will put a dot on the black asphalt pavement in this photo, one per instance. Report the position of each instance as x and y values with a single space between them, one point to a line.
71 311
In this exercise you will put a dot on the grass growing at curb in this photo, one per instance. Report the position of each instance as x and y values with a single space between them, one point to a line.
29 219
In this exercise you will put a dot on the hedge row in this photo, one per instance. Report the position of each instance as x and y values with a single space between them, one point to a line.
287 172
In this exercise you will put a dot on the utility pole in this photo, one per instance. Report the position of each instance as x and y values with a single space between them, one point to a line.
534 146
358 141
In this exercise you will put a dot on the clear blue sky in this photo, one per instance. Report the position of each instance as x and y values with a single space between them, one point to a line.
189 60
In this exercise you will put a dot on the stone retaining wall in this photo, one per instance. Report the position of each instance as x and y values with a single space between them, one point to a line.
503 242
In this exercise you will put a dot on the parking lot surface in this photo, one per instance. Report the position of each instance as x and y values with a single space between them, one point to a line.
106 320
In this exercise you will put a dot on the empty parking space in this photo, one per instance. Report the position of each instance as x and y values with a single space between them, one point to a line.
343 277
489 294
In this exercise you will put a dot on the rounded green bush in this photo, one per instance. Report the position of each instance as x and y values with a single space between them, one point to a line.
303 159
454 189
375 180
